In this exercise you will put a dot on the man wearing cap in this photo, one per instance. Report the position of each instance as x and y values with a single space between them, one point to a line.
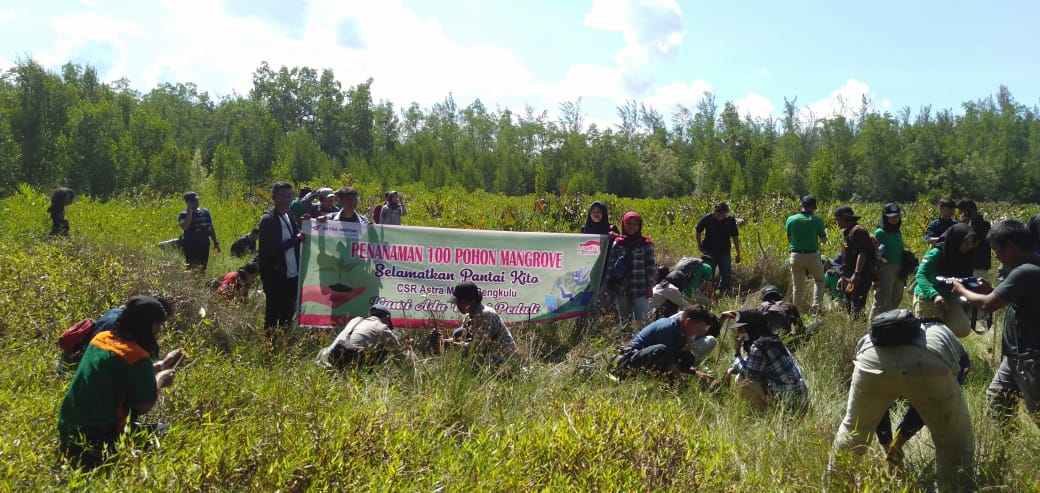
858 260
484 336
805 233
970 215
672 345
718 228
198 229
782 316
326 205
769 373
365 341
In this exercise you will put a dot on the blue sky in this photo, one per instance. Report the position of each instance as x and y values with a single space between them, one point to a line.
542 53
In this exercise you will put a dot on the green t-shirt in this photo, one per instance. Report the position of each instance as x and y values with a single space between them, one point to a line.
805 231
113 377
926 273
893 245
704 273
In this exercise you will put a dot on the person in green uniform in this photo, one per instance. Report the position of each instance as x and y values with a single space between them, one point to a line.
805 233
952 256
888 291
115 378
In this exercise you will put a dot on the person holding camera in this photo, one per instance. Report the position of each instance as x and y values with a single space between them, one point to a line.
197 224
1018 377
391 210
115 380
951 257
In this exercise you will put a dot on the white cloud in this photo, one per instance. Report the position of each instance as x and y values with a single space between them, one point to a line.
80 34
652 31
666 99
845 101
755 106
8 15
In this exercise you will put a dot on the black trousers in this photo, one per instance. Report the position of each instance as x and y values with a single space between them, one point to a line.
857 299
281 301
657 357
196 257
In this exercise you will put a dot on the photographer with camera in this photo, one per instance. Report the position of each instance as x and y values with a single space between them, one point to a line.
1018 377
951 257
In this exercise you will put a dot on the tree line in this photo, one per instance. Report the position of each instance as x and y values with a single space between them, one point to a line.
297 124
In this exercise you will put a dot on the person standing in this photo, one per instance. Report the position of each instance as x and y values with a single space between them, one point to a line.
1018 377
279 258
718 230
197 224
939 226
631 268
888 290
805 233
60 198
970 216
393 209
857 256
348 200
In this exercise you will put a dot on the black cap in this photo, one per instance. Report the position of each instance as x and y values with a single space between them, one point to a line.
846 212
722 207
808 201
379 310
191 197
891 210
753 318
146 307
771 293
466 291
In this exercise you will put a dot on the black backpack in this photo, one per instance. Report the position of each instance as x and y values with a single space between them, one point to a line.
897 327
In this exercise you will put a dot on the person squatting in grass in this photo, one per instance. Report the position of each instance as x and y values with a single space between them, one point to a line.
364 342
888 286
60 198
197 224
483 336
952 256
857 268
926 373
115 379
769 375
279 258
782 317
805 233
235 285
719 229
1018 377
245 244
672 345
633 287
690 278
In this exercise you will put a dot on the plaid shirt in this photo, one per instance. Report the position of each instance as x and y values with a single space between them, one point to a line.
770 363
641 269
492 342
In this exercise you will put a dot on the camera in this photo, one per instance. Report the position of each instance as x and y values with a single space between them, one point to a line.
970 283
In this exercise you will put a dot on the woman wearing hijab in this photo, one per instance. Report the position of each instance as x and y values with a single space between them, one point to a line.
888 290
596 222
630 269
950 257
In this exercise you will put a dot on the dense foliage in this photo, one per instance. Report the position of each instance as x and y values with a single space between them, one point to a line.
302 125
251 415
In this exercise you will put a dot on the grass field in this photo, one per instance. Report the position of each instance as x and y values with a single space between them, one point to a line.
251 415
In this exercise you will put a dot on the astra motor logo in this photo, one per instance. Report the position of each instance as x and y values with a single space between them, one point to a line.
590 247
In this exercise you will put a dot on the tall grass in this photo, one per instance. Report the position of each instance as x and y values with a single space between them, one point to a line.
251 415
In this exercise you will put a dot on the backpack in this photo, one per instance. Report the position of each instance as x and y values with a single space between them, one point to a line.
75 339
895 328
874 258
616 271
908 265
780 316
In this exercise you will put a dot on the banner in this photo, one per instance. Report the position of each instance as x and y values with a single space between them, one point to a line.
525 277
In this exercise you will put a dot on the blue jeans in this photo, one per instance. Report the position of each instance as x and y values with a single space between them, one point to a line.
632 308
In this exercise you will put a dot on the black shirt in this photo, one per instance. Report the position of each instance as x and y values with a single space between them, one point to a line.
981 252
1021 289
716 239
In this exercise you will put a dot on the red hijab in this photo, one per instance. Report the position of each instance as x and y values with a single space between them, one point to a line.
632 241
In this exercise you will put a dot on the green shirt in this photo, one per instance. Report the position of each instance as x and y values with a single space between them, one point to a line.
893 245
113 377
704 273
926 272
804 231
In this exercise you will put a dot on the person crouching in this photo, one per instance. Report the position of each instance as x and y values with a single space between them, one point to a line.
768 374
664 346
364 342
